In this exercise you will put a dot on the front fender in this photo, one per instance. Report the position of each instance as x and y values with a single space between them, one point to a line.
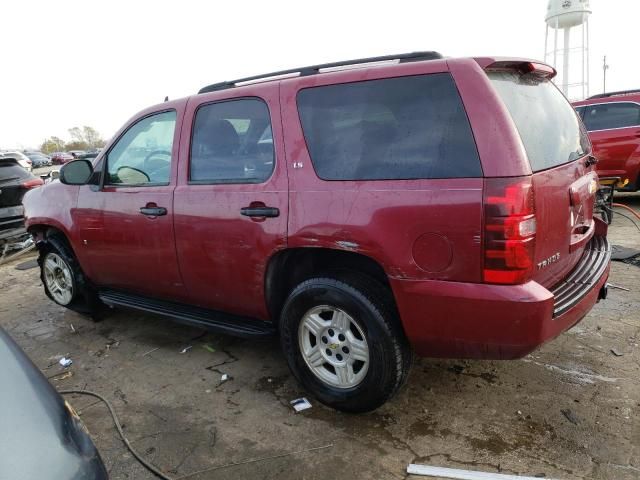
51 205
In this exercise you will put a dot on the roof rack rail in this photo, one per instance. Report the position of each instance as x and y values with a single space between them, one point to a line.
314 69
613 94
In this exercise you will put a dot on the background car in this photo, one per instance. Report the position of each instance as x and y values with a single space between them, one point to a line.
88 155
15 181
613 123
38 159
76 153
41 435
60 158
21 158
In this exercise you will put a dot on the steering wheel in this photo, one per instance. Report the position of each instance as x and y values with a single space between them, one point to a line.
131 175
145 162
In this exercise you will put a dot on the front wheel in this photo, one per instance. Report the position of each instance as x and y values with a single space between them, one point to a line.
63 279
343 341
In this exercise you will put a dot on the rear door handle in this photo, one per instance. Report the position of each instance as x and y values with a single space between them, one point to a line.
153 211
260 211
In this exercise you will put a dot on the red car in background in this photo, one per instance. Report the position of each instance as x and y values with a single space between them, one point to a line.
60 158
613 123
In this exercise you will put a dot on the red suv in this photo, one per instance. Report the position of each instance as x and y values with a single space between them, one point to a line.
613 123
361 210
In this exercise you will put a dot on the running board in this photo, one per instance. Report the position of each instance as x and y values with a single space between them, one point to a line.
200 317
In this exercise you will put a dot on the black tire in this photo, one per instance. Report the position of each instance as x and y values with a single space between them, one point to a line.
84 299
372 305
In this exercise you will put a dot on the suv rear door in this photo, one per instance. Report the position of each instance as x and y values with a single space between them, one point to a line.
231 202
563 182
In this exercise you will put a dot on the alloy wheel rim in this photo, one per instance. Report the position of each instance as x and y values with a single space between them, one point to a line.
58 277
334 347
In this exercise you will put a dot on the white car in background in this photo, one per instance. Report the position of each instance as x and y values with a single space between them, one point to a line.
23 160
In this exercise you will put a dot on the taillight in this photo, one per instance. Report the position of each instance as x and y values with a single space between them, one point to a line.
33 183
509 230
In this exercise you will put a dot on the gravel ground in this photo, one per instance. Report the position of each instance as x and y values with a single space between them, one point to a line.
567 411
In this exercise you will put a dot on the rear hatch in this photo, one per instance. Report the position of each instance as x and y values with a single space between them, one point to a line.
15 181
558 149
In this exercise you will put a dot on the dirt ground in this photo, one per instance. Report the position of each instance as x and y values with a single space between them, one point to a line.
480 415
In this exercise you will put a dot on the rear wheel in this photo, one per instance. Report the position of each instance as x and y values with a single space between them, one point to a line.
63 279
343 341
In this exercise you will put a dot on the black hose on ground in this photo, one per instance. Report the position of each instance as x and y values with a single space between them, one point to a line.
161 474
116 422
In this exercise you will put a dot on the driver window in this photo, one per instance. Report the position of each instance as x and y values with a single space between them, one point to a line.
143 154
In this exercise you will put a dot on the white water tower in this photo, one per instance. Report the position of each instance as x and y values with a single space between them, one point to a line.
573 55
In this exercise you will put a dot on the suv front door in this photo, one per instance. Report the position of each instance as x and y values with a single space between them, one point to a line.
231 200
126 222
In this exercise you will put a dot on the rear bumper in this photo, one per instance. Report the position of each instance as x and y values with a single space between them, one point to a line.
469 320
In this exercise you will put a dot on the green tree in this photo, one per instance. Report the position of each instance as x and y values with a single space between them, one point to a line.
85 138
52 144
92 137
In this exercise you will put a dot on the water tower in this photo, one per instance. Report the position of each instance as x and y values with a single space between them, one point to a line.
573 55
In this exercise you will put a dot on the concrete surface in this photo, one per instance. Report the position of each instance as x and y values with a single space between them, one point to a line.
490 416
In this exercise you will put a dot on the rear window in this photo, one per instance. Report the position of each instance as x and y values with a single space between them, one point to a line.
549 127
606 116
391 129
11 170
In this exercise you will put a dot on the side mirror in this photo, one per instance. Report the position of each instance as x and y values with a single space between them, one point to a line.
76 172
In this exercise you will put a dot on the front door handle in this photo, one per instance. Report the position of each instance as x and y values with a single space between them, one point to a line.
260 211
153 211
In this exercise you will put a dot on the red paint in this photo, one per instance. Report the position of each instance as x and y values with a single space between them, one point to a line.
429 236
618 149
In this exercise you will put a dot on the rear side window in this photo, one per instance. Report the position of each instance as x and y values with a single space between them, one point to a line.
549 127
232 143
607 116
391 129
10 171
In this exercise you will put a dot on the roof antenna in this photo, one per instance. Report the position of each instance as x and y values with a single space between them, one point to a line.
166 99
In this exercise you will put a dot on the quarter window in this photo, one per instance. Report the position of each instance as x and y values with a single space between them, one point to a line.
232 143
142 156
398 128
607 116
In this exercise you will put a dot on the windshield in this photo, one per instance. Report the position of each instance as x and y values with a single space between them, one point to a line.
549 127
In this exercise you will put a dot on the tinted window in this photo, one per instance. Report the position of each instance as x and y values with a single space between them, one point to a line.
579 111
398 128
548 125
612 115
10 171
143 154
232 143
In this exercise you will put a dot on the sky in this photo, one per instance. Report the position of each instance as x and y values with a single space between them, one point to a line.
69 63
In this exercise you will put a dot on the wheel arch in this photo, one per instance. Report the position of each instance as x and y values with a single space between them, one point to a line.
291 266
41 232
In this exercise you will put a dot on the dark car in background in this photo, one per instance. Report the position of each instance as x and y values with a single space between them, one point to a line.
41 435
613 123
76 153
60 158
15 181
38 159
88 155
